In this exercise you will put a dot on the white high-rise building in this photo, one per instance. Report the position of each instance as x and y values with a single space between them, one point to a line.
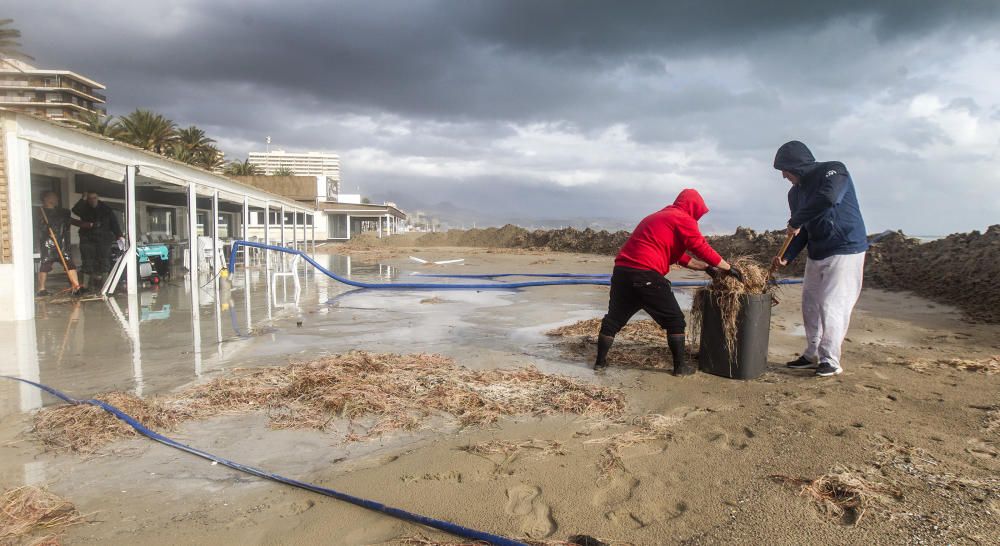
300 163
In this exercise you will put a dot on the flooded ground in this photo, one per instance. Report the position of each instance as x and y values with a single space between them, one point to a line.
785 422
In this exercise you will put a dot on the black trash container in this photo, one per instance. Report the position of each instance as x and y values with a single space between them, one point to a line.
753 331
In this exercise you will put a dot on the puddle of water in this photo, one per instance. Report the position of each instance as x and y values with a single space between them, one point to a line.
172 335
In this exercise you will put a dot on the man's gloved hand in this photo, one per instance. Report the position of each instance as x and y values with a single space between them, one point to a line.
736 273
713 272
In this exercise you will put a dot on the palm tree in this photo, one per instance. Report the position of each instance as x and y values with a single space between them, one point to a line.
241 168
101 124
193 139
149 131
282 171
210 158
9 44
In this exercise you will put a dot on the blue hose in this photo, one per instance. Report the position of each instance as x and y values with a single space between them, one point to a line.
407 285
498 275
441 525
574 278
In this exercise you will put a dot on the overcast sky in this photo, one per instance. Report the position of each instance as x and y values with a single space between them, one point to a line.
572 109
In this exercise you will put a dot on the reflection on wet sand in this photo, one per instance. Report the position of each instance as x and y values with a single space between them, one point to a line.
177 332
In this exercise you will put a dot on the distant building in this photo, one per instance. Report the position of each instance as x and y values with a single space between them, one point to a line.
302 164
59 95
337 219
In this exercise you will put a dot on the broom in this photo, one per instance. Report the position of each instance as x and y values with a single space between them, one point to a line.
55 240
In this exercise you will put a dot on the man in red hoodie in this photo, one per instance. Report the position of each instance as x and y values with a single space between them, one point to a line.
659 241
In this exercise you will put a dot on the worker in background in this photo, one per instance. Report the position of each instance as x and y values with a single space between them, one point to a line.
826 220
660 240
52 231
96 240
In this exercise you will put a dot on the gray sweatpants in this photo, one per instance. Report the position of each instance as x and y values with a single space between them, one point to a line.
830 290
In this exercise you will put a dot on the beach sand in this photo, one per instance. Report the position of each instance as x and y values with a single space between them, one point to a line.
901 416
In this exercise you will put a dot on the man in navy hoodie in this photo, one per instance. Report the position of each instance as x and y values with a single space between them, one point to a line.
826 220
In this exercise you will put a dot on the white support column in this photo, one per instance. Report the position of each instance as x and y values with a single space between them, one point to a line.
282 211
193 234
131 263
314 233
348 227
18 294
379 227
295 229
215 232
267 236
245 232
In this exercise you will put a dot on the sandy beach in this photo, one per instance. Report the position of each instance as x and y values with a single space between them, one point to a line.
697 460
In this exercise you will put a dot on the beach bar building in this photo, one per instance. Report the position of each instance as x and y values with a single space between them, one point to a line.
159 200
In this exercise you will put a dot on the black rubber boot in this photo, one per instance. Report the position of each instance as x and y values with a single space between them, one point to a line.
603 346
678 348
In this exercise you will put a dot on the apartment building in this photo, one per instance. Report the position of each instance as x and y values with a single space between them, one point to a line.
302 164
58 95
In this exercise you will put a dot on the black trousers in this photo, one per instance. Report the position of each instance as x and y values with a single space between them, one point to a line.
95 256
635 289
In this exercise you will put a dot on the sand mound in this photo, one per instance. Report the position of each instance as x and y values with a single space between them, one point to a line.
391 392
959 270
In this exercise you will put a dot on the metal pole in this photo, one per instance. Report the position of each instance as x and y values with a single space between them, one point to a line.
295 229
132 265
314 233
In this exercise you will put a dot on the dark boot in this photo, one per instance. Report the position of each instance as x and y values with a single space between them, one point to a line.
678 348
603 346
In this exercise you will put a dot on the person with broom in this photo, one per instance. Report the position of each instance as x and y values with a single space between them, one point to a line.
52 229
826 220
638 280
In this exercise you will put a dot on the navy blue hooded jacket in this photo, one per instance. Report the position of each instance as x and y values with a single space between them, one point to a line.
823 204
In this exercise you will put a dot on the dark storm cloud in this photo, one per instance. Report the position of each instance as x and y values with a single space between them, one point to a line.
455 83
472 59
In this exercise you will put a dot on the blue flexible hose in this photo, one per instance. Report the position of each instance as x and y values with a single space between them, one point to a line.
575 279
407 285
441 525
498 275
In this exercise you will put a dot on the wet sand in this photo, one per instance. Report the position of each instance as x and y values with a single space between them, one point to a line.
707 483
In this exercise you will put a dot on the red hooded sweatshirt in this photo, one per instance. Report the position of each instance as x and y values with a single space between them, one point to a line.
664 237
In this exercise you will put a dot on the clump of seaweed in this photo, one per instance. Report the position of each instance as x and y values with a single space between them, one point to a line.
502 452
636 331
650 427
396 392
27 509
842 494
726 294
989 365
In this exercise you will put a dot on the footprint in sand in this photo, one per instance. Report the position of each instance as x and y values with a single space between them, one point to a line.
525 501
721 439
981 449
615 493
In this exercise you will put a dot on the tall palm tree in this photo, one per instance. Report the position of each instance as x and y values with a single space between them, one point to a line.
149 130
9 44
210 158
282 171
101 124
193 139
241 168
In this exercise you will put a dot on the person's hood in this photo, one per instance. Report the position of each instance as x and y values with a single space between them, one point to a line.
794 157
690 201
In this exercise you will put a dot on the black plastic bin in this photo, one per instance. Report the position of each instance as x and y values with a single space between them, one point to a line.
752 336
